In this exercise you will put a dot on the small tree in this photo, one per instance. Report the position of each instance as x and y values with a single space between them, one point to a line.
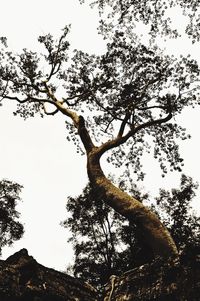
175 210
94 228
10 228
120 103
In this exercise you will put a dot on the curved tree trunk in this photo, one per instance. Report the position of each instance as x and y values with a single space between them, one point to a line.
154 233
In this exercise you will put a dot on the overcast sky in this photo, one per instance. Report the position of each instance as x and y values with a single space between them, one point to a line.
36 154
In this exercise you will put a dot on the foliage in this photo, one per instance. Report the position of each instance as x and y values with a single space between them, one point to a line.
175 210
10 228
138 89
93 226
105 243
156 15
100 238
130 87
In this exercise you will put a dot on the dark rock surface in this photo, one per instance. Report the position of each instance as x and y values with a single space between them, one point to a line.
23 279
175 280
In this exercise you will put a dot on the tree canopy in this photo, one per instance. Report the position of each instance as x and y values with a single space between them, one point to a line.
159 17
126 94
10 227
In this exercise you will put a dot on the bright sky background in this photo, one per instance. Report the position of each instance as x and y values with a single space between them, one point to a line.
36 154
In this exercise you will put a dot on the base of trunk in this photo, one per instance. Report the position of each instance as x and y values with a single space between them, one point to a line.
173 280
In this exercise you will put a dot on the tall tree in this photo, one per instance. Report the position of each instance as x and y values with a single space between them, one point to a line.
128 97
10 227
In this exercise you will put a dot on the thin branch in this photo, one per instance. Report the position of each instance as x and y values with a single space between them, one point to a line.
4 91
49 113
32 85
66 100
29 99
49 92
123 124
109 123
151 107
110 233
185 92
151 82
106 110
124 12
97 244
54 63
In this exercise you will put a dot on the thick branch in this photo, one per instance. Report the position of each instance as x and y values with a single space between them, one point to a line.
122 139
29 99
84 135
78 121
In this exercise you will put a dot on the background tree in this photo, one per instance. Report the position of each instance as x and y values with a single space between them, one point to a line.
175 210
100 237
134 94
106 244
94 226
10 227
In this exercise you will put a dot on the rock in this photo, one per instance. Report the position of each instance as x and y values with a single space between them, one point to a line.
173 280
22 278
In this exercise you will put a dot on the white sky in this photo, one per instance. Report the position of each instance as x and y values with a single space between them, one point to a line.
36 154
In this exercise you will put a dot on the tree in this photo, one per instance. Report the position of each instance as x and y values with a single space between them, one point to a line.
10 228
105 244
129 96
94 236
176 212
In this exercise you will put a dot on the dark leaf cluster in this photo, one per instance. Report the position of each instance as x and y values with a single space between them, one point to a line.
104 242
175 209
155 14
10 227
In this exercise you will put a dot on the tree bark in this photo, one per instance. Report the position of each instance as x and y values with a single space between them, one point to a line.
154 233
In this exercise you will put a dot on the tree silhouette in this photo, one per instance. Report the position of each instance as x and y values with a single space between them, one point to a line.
121 103
175 210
